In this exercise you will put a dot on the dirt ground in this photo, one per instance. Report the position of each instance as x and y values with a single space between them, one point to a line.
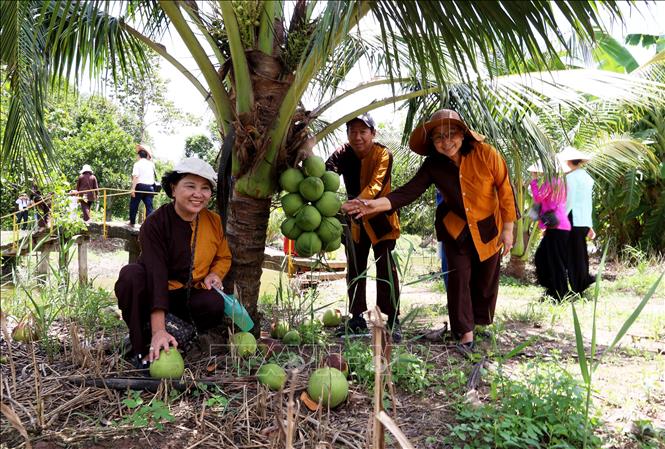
58 411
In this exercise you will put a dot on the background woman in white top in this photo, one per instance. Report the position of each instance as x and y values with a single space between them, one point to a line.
579 207
143 183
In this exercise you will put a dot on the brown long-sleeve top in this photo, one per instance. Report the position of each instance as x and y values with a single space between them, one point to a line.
477 194
166 248
367 178
87 183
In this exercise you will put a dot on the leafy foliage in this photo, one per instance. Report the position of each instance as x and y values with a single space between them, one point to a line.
201 146
543 407
155 413
87 132
631 206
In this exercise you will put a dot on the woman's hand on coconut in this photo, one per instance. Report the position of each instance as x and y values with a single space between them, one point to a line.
160 340
212 280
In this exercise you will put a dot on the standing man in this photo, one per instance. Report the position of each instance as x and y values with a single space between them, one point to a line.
143 182
366 168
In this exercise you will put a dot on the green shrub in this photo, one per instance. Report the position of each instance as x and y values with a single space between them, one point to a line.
542 407
410 371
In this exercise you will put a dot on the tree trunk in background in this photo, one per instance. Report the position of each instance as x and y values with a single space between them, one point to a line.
109 203
246 234
516 268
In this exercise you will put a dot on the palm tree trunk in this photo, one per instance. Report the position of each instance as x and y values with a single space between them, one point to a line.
246 234
516 268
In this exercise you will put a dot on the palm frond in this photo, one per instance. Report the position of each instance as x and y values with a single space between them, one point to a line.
614 156
83 36
25 140
475 33
653 225
150 17
344 59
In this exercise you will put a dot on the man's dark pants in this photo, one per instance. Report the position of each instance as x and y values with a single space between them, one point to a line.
387 281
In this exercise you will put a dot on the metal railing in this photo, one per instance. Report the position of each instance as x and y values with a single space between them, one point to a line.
45 199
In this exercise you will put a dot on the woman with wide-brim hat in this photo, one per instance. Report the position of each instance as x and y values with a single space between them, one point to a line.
87 187
475 220
184 254
551 258
579 207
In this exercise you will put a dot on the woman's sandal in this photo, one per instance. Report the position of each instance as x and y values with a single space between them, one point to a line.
466 349
142 367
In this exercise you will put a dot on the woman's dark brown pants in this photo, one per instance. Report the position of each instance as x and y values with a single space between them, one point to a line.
206 307
472 287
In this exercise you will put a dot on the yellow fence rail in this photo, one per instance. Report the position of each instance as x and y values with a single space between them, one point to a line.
105 195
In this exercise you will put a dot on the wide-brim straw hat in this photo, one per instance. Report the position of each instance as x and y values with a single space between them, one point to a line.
85 168
140 147
419 141
573 154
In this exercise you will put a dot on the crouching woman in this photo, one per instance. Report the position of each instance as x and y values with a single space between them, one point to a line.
184 254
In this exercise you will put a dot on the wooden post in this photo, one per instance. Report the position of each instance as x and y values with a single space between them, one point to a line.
43 264
104 223
15 233
83 260
378 437
132 246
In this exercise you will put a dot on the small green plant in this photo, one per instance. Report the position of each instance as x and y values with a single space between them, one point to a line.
410 371
359 357
311 332
453 380
589 364
649 436
534 314
216 400
294 306
154 413
541 407
44 308
90 307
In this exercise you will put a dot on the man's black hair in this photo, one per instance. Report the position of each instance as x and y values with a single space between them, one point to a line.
143 154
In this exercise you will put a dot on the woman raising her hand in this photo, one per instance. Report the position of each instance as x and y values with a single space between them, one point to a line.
475 220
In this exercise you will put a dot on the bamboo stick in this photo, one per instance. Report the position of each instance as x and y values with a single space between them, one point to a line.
378 438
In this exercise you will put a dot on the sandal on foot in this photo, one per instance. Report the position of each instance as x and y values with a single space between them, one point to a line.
466 349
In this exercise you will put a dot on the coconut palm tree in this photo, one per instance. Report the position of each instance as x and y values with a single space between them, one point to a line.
255 60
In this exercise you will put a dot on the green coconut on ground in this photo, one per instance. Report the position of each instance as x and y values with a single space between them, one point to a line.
328 386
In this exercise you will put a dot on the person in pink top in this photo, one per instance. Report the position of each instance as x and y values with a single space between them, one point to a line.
552 253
